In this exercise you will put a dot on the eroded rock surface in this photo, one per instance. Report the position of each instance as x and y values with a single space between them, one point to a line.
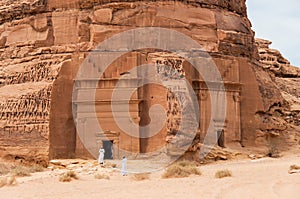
44 42
282 119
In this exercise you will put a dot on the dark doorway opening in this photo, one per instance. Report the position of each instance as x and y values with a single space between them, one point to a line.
108 147
220 135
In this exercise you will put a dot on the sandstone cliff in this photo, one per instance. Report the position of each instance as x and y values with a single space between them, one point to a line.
285 133
43 43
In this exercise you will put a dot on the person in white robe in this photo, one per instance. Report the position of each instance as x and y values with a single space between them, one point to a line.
124 166
101 156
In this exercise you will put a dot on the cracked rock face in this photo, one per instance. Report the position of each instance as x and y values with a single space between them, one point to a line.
282 119
273 61
43 43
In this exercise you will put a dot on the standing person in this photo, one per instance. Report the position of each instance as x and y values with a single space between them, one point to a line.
101 156
124 166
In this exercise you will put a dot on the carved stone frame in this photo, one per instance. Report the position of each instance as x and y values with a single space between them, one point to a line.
109 136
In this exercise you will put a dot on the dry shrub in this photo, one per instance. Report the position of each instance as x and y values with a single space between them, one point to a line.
65 178
20 171
109 165
68 176
141 176
294 167
186 163
223 174
9 181
181 170
4 169
3 181
273 151
36 168
101 176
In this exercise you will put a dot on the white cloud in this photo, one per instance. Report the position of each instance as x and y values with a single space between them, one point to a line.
278 21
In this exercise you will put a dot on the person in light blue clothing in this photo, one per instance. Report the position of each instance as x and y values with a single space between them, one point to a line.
124 166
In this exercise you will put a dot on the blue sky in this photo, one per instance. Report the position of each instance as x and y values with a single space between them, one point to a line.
279 22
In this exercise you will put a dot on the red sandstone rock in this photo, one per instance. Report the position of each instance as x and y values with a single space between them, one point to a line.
282 119
43 43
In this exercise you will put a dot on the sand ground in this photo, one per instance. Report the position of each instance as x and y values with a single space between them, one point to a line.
252 179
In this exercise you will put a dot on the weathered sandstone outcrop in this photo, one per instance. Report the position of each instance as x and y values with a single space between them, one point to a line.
282 119
44 42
